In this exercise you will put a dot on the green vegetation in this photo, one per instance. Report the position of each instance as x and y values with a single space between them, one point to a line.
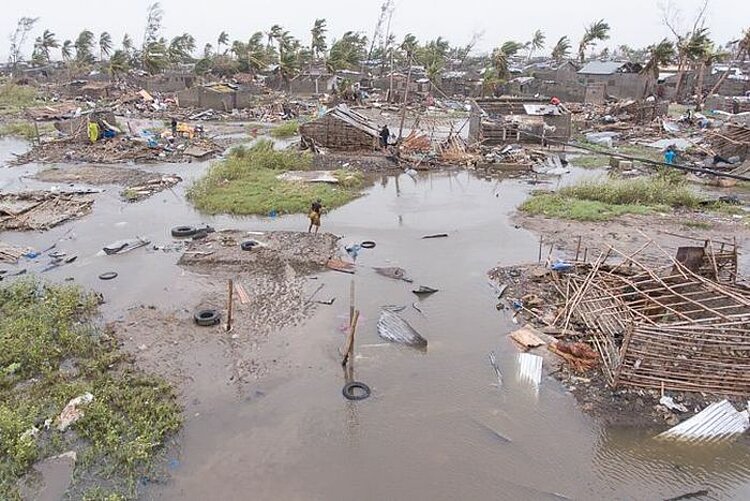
25 130
14 98
285 129
246 183
52 353
697 225
590 161
601 200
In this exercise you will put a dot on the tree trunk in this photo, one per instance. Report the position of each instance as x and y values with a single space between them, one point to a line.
680 78
699 88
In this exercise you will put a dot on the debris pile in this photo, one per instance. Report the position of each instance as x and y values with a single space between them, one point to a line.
681 325
41 210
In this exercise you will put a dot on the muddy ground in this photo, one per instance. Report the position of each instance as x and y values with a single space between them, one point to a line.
276 277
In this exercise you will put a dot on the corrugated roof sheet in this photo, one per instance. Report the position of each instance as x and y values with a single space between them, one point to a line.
601 67
342 112
717 422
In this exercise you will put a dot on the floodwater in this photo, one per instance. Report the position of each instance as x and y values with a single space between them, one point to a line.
435 426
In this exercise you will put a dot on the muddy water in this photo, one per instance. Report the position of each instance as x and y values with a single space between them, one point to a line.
435 427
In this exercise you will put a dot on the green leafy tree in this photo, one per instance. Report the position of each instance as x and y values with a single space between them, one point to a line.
84 46
181 49
660 54
105 45
66 51
318 44
153 24
155 56
43 46
595 32
561 51
347 52
536 43
119 63
501 59
222 40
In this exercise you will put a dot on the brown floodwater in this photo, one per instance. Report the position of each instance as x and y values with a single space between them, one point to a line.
435 427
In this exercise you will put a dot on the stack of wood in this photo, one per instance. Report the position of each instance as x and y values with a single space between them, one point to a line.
416 143
732 140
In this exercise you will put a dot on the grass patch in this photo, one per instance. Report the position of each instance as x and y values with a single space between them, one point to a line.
602 200
286 129
14 98
52 352
25 130
246 183
697 225
590 161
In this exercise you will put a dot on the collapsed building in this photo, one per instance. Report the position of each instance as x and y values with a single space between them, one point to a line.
341 128
498 121
684 325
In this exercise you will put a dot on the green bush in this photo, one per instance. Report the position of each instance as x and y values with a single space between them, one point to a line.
246 182
285 129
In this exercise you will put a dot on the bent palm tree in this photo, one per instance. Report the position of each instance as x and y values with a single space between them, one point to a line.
561 50
597 31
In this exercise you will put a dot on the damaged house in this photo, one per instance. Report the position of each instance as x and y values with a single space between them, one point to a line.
683 325
517 120
218 96
621 80
341 128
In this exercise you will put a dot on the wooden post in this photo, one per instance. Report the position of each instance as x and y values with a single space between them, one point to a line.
229 305
351 301
578 247
406 95
36 129
541 242
349 348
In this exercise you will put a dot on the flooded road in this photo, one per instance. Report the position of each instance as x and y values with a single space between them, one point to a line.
435 427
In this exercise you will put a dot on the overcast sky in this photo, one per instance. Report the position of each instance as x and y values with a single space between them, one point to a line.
634 22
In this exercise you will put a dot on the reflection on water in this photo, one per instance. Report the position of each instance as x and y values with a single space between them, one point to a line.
435 426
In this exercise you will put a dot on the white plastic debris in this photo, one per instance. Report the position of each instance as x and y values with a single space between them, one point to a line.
73 412
718 422
530 368
670 404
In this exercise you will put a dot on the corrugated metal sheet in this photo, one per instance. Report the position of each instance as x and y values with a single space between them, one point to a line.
601 68
530 368
717 422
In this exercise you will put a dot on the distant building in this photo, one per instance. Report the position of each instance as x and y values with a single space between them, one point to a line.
622 80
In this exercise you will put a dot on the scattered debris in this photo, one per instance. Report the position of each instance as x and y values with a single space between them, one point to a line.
72 411
719 421
498 374
527 337
394 328
530 368
11 254
41 210
394 272
423 290
436 235
123 246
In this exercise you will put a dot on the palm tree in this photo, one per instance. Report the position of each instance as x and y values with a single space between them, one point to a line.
208 51
501 58
105 45
119 63
660 55
181 48
690 49
42 46
536 43
561 50
318 43
84 45
127 44
66 51
222 40
597 31
709 56
273 34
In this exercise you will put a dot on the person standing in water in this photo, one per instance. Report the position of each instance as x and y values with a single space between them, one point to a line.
315 210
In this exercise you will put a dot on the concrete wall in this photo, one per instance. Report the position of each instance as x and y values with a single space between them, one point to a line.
200 97
620 85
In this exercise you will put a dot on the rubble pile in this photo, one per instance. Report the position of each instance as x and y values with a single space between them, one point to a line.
681 324
41 210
